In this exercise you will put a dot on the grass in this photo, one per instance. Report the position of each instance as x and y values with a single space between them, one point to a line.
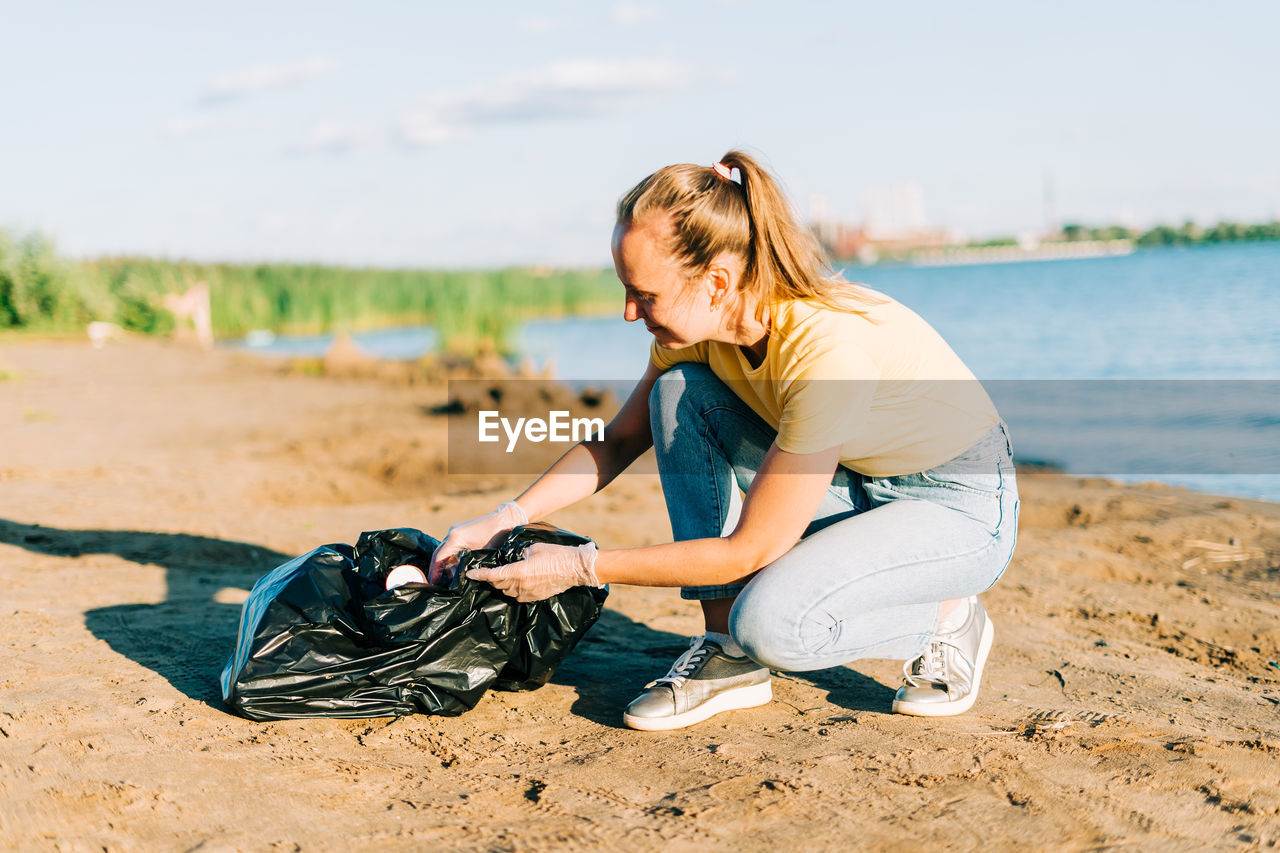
40 291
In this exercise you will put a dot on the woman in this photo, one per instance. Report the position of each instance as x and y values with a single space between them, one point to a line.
879 488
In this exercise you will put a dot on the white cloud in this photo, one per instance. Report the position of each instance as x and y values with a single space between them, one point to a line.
203 125
629 14
330 137
260 78
426 130
567 89
539 25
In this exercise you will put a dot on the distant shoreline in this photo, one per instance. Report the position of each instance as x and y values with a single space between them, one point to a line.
934 248
960 255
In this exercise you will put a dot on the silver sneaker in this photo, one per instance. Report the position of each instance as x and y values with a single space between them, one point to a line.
944 680
702 682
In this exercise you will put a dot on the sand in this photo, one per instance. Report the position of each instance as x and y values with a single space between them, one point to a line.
1132 699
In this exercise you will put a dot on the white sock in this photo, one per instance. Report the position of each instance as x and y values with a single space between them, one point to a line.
724 641
955 618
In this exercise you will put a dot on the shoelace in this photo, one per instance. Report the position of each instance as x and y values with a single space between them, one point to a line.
679 671
932 664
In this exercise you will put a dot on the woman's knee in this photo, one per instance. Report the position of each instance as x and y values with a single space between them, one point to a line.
672 384
671 394
767 636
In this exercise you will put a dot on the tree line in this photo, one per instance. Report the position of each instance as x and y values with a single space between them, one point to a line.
42 291
1189 233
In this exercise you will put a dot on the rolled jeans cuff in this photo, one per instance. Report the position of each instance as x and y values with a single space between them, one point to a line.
706 593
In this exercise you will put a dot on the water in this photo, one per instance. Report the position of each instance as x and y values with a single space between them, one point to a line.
407 342
1210 313
1205 313
1200 313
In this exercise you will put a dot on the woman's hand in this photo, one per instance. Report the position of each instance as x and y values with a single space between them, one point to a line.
545 570
588 467
483 532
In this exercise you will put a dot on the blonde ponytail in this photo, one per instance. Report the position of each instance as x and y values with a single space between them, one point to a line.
750 218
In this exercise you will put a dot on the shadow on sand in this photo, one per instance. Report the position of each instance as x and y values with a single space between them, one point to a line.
187 638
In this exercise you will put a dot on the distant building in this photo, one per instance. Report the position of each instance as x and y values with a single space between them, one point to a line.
894 213
894 225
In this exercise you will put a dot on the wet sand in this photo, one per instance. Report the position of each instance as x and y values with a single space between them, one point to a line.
1132 698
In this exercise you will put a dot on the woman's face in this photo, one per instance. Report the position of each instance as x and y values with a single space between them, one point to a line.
675 310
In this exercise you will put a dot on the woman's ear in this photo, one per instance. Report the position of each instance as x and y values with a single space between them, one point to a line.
718 282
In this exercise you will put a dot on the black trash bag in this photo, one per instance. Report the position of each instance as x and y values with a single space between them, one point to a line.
320 636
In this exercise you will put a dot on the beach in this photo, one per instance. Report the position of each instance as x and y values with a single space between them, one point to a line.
1132 698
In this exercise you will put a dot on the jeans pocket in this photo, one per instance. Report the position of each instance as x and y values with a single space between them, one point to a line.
980 470
978 477
979 496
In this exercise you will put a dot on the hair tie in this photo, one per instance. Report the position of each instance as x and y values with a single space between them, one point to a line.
733 176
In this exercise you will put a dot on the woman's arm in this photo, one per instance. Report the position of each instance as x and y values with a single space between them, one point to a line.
781 502
584 470
591 465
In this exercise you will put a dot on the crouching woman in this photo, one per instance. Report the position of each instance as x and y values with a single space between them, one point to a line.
839 484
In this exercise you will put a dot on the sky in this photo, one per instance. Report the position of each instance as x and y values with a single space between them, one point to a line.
433 134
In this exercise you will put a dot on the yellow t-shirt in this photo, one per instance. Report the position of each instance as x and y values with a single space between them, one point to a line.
886 387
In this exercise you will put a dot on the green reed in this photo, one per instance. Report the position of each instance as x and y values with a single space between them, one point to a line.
473 310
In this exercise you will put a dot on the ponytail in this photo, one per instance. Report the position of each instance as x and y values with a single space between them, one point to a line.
751 218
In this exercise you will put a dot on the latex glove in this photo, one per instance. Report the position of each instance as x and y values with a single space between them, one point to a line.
545 570
483 532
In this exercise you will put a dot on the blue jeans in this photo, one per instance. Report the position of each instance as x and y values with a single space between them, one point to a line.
880 556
